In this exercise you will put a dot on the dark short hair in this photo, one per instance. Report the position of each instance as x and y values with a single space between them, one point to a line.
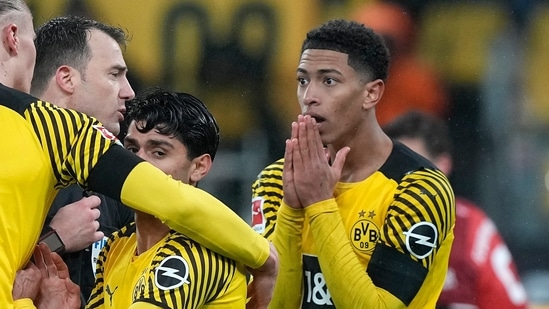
64 41
366 49
431 129
180 115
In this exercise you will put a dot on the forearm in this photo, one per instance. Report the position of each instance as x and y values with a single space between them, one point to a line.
287 239
348 282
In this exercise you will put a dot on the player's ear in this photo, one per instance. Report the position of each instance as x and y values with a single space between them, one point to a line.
12 40
373 91
65 77
201 165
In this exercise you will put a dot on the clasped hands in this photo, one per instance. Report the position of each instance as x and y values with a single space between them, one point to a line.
308 177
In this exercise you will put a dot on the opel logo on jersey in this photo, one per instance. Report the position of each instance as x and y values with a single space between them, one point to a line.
172 273
421 239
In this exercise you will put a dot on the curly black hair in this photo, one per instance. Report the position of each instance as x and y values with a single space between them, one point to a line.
180 115
367 51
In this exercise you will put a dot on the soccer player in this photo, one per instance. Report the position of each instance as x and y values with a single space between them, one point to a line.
79 65
361 222
46 148
147 263
482 273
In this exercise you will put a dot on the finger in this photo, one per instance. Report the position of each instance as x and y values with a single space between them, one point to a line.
51 270
327 154
288 156
339 160
93 201
96 213
60 266
39 260
314 142
298 155
294 130
96 224
302 137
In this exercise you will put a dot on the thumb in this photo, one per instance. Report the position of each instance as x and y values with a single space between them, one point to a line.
340 158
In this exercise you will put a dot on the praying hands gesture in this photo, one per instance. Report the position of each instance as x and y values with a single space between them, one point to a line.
308 177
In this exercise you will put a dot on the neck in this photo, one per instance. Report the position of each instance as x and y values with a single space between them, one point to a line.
368 153
149 230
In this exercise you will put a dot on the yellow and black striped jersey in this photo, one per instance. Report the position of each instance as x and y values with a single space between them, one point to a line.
45 148
391 232
176 272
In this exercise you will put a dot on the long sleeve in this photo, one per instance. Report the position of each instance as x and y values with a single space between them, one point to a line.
349 284
24 303
287 240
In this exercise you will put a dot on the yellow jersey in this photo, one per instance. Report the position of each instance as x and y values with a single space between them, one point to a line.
380 243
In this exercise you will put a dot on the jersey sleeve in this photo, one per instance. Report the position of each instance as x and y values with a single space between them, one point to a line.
267 195
72 141
287 240
24 303
421 216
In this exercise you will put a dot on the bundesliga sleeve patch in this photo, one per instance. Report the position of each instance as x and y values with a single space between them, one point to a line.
258 218
105 133
421 239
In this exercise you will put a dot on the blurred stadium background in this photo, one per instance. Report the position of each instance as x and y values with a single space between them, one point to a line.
239 57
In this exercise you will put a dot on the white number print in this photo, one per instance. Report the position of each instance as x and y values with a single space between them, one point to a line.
500 261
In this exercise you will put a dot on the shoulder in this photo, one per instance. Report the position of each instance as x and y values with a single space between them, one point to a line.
269 180
273 170
15 99
125 232
402 161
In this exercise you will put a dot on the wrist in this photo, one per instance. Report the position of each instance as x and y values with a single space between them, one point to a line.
52 239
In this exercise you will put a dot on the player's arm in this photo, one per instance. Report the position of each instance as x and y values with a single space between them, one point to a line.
82 150
287 239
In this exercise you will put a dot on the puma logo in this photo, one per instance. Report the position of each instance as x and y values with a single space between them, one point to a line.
111 293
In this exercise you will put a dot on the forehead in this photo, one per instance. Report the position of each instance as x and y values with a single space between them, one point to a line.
152 134
323 59
103 45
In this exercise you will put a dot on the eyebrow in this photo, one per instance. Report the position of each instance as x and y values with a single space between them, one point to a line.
151 142
321 71
120 67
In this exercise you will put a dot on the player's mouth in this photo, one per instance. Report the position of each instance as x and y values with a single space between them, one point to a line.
317 118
